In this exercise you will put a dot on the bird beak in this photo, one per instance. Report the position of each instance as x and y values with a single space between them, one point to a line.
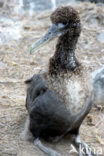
53 32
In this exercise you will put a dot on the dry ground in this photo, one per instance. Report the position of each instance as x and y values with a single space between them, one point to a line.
16 65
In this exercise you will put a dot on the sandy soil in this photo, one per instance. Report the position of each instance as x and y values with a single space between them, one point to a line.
16 65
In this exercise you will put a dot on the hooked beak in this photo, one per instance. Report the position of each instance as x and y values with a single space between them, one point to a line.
54 31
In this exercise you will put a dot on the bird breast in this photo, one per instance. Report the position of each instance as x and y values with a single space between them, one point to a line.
72 89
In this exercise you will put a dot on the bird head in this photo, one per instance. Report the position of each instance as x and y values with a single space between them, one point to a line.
64 20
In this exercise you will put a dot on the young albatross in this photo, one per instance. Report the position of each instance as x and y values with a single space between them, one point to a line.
65 76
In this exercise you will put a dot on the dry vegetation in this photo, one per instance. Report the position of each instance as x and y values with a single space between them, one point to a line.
16 65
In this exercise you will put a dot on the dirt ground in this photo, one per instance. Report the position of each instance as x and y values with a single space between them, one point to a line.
18 32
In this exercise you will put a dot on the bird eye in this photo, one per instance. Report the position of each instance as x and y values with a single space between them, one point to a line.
64 23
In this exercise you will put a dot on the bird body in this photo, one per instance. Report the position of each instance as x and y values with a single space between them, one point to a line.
71 88
49 117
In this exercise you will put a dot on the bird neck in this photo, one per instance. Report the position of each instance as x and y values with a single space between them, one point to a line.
64 58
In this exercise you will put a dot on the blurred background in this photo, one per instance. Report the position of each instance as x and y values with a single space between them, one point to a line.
12 10
23 22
